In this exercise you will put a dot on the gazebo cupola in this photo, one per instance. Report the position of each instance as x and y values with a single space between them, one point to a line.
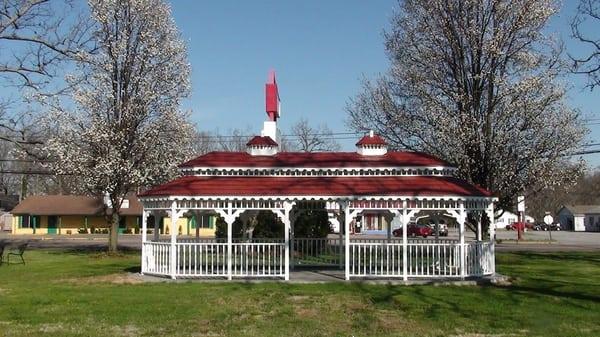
262 146
371 145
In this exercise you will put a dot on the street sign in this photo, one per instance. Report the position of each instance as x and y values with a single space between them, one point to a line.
548 219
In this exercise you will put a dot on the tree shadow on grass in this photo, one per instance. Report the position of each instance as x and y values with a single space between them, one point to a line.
593 258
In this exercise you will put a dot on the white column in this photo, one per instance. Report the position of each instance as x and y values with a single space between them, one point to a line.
229 221
492 231
479 228
389 227
341 241
198 219
145 215
347 220
156 226
144 236
174 217
292 236
461 233
405 221
287 208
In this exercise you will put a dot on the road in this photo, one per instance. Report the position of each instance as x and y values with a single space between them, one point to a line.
534 241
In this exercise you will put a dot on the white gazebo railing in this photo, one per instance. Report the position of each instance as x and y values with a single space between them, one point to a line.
369 258
317 251
262 259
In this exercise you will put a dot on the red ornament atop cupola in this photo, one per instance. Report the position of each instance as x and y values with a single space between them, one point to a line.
371 145
272 97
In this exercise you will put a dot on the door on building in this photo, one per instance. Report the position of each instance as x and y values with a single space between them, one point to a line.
122 224
52 223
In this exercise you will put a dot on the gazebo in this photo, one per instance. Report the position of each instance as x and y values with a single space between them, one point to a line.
396 184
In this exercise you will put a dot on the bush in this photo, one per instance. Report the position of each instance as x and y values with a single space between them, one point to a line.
312 223
82 231
268 225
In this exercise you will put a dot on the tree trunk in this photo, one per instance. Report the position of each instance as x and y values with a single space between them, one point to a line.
113 233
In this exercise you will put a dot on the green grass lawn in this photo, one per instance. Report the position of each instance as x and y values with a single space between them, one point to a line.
82 294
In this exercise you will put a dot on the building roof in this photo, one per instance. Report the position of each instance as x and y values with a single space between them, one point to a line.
583 209
371 140
261 140
70 205
258 186
315 159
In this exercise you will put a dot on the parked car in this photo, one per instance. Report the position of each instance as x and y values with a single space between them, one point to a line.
539 226
443 228
550 227
525 225
415 230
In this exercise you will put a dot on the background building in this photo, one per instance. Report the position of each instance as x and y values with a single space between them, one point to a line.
580 218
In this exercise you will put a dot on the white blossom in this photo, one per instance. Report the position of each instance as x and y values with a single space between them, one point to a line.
477 84
125 130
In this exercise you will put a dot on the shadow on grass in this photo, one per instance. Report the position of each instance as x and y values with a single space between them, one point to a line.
560 256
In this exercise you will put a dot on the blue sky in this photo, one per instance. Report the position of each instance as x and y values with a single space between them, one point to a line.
320 50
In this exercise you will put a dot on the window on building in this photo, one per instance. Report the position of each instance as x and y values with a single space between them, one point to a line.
24 221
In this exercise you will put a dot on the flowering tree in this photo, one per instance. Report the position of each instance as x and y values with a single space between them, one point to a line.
126 130
477 84
584 29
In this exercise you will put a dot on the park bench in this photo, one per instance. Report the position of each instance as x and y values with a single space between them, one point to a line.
18 251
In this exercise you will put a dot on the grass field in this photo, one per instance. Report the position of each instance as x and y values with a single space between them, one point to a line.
85 294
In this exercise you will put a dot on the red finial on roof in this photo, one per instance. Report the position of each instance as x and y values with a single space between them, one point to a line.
272 97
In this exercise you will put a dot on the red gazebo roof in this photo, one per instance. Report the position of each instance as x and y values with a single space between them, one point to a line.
412 186
315 159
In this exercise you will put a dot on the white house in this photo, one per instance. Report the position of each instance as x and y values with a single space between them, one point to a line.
508 217
580 218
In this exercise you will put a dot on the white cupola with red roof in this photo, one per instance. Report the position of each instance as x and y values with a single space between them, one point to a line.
262 146
371 145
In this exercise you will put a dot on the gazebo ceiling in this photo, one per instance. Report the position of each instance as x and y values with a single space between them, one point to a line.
412 186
